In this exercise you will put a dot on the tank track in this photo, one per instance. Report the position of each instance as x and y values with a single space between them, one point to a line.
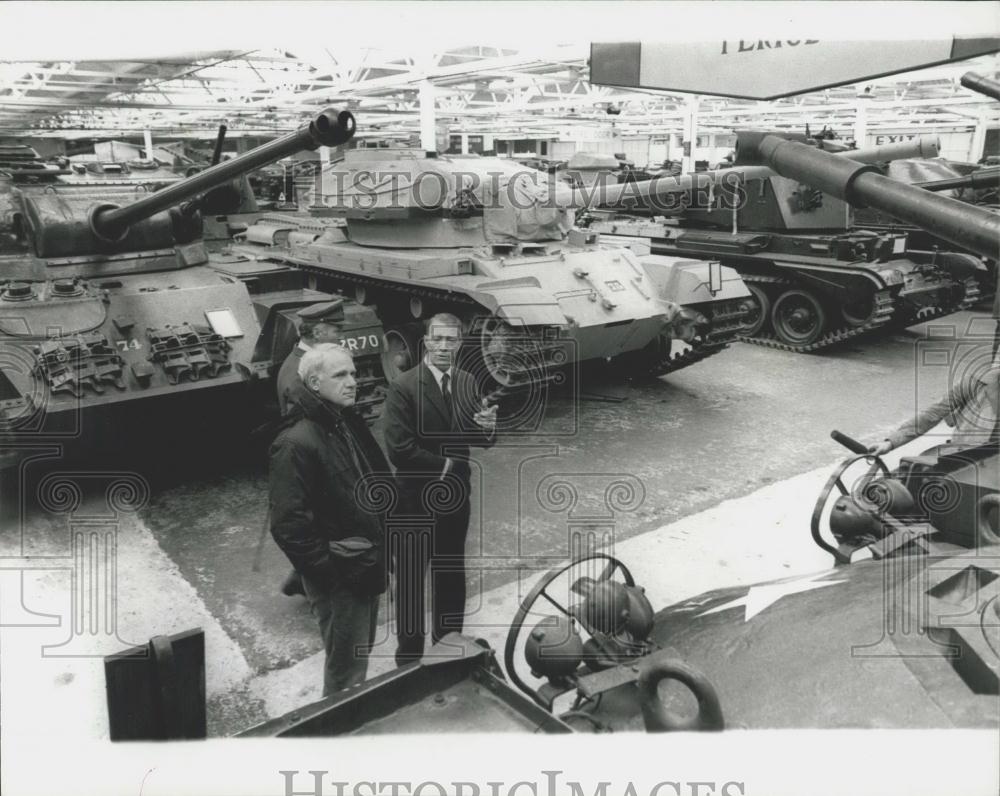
726 320
969 300
884 309
532 360
696 353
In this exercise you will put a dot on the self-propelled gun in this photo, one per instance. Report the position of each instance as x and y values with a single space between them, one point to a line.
816 279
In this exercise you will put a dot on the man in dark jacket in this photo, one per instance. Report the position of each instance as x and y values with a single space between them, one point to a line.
325 467
318 323
432 416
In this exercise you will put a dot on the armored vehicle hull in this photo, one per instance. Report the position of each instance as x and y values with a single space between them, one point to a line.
809 652
534 294
868 644
813 291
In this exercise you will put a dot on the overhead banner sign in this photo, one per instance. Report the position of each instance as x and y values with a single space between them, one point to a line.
761 69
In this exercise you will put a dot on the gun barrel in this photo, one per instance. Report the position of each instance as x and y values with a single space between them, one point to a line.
923 147
926 146
329 128
977 180
859 184
220 139
981 85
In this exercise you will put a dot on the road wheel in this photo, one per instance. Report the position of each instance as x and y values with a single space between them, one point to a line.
400 349
759 315
798 317
499 352
858 311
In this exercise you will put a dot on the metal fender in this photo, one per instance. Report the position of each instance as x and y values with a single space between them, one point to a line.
692 281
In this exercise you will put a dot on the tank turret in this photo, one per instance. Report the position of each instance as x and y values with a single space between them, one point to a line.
70 221
963 225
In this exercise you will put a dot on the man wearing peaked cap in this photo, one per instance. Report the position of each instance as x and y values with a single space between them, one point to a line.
318 323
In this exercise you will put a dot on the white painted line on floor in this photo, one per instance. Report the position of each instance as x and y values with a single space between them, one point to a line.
65 696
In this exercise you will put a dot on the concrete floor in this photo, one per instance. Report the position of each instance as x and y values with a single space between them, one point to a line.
722 463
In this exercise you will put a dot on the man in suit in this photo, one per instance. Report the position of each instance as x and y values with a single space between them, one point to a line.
318 323
432 416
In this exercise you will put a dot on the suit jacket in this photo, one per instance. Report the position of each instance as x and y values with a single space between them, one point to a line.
419 436
288 377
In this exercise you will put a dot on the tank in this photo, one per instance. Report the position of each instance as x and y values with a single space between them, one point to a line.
495 244
961 225
109 298
816 279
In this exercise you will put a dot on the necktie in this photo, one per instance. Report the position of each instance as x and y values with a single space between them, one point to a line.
446 392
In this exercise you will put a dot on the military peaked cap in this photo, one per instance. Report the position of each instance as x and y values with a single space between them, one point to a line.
326 312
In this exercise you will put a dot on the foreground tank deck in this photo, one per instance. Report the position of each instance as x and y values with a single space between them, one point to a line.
458 687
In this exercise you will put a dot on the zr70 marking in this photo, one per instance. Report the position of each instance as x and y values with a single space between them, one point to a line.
361 342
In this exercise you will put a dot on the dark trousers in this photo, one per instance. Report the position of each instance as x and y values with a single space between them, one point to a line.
347 624
436 546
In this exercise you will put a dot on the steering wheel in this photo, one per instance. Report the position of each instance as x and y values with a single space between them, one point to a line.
877 469
539 592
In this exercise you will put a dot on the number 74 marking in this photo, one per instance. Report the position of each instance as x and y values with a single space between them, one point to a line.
132 344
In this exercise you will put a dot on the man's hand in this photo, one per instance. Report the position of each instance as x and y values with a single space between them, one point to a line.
486 417
881 448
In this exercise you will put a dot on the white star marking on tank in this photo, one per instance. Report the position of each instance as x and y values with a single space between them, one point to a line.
758 598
